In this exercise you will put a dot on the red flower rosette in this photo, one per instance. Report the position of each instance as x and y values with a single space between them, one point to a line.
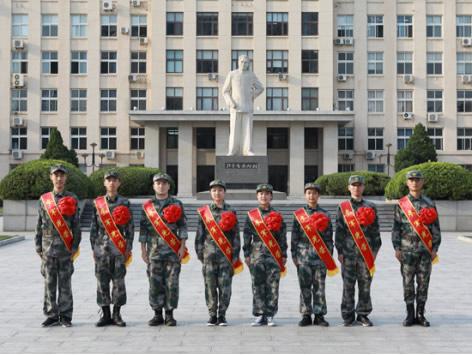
172 213
121 215
428 215
366 216
228 221
320 221
67 206
273 220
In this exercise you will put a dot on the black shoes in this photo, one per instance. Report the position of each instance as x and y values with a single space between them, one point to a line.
157 319
319 320
222 321
349 322
170 321
305 321
410 315
117 320
65 322
364 321
420 318
105 319
212 321
49 322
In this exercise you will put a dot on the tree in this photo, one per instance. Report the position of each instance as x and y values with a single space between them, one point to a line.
57 150
419 149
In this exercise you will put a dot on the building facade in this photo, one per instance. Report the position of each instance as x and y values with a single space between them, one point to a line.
140 81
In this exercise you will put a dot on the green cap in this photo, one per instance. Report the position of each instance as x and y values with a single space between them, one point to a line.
162 176
111 174
414 174
218 182
313 186
356 179
58 168
264 187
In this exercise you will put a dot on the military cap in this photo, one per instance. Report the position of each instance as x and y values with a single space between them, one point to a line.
356 179
111 174
58 168
312 185
264 187
218 182
162 176
414 174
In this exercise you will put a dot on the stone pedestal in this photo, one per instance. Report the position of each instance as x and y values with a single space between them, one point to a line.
242 172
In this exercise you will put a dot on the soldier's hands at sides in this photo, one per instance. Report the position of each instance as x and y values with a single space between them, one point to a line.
295 261
145 257
433 254
284 261
398 255
341 258
247 259
181 251
40 253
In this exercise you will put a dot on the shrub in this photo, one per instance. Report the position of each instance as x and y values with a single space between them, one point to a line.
57 150
336 184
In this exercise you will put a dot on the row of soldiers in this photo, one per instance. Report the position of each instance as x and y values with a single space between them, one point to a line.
163 234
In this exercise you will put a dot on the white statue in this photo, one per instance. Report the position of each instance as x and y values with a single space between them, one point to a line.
240 89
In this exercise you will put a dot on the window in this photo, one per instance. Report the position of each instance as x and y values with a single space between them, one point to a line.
309 24
277 62
45 134
404 63
277 24
434 100
108 63
404 26
345 168
277 99
311 173
49 25
242 24
138 99
108 100
375 26
345 138
108 25
138 62
78 138
375 138
137 138
464 63
309 99
405 101
207 61
19 139
345 63
49 100
49 62
175 61
207 99
79 26
464 138
175 23
19 100
207 23
403 135
138 26
375 63
436 136
172 136
375 101
376 168
433 26
464 101
309 61
78 100
108 138
235 54
344 26
346 100
464 26
277 138
79 62
19 62
311 138
434 63
174 98
205 138
19 26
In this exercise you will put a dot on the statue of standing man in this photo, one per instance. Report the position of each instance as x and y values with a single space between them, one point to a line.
240 89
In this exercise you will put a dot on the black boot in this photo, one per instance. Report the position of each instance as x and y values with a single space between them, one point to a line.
305 321
410 315
105 319
364 321
50 321
319 320
420 319
117 317
170 321
157 319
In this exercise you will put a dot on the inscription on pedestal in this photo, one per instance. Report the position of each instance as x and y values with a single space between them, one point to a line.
242 172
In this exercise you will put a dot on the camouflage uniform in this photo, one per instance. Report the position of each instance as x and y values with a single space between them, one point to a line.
163 269
265 272
109 262
217 271
311 269
57 266
354 268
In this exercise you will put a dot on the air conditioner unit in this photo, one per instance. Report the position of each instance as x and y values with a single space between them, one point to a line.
17 154
467 42
18 44
433 117
133 78
349 41
466 79
136 3
283 77
18 121
18 80
348 156
408 79
339 41
140 154
124 30
110 155
143 41
370 155
408 115
107 5
341 77
213 76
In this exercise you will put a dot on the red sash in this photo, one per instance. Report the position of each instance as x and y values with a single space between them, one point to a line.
58 221
266 236
111 229
358 235
219 237
316 241
164 231
421 230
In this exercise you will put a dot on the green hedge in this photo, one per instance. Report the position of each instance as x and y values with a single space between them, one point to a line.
30 180
336 184
443 181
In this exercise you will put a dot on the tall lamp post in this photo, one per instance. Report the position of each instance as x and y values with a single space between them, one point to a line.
93 164
388 158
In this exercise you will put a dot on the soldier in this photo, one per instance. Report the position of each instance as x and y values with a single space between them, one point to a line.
57 243
265 252
357 242
217 244
416 236
111 237
162 236
312 249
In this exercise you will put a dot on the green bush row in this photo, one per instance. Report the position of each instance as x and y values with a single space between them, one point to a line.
336 184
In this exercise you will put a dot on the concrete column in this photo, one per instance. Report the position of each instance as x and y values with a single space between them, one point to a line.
296 177
330 148
185 160
151 148
221 138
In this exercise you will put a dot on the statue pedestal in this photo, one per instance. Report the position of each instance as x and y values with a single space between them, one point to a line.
242 172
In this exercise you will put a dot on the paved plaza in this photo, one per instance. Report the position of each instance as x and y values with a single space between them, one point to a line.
449 309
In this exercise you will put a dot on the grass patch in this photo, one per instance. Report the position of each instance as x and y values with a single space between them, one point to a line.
4 237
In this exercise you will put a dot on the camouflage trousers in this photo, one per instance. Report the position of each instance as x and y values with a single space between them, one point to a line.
354 269
163 284
312 289
110 268
57 273
265 288
419 266
218 277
